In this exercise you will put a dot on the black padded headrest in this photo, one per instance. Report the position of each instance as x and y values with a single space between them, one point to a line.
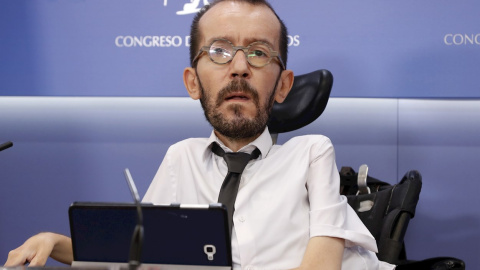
305 102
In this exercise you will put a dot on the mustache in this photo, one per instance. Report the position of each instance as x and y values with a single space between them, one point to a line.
233 86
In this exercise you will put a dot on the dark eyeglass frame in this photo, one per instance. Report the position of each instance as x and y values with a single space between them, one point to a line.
235 49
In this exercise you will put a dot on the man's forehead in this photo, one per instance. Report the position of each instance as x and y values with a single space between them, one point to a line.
241 23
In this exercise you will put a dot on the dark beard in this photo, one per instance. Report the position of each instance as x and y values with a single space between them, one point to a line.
239 127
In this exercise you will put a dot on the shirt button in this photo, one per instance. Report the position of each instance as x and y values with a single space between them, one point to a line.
250 267
242 219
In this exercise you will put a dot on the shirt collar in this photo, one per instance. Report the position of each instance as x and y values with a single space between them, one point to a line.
264 143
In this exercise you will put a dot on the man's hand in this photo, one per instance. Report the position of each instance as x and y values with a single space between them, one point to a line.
38 248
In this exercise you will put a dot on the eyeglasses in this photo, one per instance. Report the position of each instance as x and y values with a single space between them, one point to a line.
222 51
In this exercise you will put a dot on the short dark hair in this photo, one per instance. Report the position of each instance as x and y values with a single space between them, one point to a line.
195 31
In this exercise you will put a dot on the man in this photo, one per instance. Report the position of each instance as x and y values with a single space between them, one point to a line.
288 212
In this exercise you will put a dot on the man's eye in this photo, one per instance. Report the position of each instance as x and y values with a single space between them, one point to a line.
257 53
218 50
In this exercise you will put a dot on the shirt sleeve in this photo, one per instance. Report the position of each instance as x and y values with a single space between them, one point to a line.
330 214
163 188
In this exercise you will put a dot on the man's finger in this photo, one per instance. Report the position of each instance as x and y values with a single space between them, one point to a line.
15 258
40 259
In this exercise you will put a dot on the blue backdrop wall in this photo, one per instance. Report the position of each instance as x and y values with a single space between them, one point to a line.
88 88
139 48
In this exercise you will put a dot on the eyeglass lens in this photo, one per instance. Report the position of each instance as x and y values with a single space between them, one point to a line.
222 51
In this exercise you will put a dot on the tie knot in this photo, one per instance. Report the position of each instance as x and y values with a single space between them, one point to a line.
236 161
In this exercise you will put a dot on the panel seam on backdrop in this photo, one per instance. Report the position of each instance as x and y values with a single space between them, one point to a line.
398 140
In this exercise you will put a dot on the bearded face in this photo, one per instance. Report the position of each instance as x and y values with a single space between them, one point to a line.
238 125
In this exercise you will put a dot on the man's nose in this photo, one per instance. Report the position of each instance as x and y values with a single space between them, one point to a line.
239 65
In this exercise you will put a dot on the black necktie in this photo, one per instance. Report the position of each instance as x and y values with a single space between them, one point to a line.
236 162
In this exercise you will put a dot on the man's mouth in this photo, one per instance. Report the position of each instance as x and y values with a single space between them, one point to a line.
237 97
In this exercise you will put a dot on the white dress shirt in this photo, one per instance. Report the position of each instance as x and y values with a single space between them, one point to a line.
286 196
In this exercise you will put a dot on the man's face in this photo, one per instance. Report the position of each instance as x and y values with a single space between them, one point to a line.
237 97
239 126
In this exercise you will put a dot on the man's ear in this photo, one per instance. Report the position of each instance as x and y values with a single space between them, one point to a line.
284 85
191 83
